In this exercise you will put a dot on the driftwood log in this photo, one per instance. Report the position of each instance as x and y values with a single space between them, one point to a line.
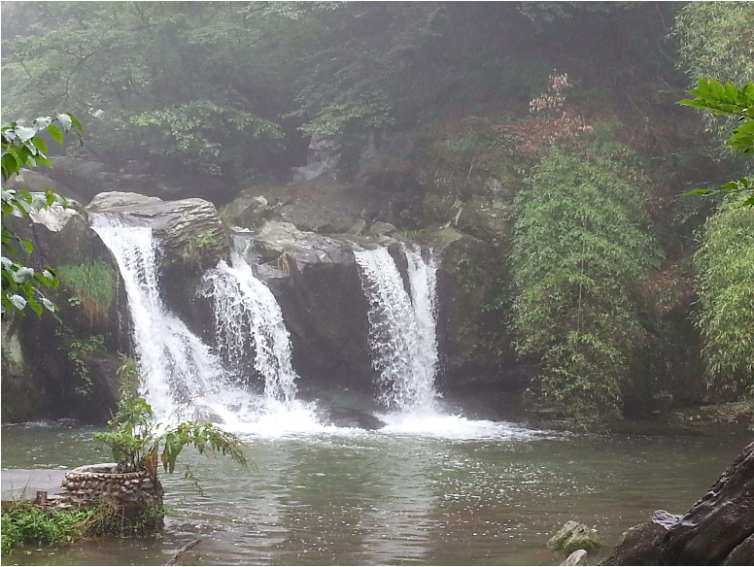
717 530
178 554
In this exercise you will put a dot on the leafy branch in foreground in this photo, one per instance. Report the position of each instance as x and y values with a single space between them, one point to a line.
22 146
729 100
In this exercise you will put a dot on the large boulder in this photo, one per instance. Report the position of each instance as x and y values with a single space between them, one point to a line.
717 530
475 350
191 237
190 230
640 544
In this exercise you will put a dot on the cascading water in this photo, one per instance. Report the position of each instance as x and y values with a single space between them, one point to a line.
402 328
246 312
182 378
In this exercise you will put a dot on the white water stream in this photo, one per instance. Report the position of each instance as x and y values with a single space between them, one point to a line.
181 377
248 318
402 327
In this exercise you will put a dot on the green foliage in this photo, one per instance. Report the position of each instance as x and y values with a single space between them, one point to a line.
22 146
77 350
729 100
24 523
95 285
725 261
137 442
716 40
579 249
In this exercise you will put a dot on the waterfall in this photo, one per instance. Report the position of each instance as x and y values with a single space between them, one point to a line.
181 377
402 327
247 314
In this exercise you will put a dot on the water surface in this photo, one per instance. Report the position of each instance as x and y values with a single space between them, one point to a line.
493 495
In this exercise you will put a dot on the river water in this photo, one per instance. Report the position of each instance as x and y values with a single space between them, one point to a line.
488 494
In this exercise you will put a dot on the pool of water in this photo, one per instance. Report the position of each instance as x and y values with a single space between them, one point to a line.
491 495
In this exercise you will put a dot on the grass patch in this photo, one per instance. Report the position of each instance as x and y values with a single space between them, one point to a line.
94 284
26 523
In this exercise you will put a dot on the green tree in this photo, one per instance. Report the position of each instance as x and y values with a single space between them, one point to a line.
579 249
725 262
22 147
186 86
716 40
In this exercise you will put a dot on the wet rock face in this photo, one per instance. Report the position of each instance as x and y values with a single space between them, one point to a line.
316 281
717 530
88 178
719 522
40 378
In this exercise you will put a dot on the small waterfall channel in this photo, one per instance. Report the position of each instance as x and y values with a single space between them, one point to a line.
247 314
402 326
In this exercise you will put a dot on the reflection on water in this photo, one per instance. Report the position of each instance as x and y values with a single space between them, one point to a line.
394 498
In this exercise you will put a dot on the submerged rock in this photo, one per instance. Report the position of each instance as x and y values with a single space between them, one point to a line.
350 417
578 557
717 530
574 536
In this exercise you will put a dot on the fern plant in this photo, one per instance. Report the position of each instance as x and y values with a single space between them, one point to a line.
139 443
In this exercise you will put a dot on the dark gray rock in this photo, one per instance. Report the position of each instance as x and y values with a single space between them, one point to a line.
35 182
720 521
330 213
642 544
350 417
317 284
716 530
88 178
40 378
743 554
381 228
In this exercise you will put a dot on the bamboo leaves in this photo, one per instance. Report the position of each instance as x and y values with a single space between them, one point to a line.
579 249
